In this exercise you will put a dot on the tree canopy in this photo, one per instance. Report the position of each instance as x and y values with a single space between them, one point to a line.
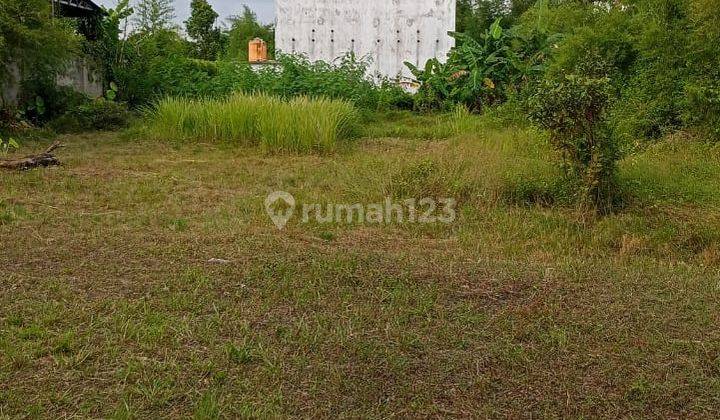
201 28
32 39
154 15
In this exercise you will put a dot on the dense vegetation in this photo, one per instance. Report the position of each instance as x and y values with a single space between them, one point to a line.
660 56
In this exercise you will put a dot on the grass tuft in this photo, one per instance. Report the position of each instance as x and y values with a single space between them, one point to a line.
300 125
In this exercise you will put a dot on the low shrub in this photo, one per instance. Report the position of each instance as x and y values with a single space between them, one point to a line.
99 114
346 78
478 73
292 76
41 100
296 125
573 109
702 101
8 144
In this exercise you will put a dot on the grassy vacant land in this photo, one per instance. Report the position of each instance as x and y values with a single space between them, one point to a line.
524 307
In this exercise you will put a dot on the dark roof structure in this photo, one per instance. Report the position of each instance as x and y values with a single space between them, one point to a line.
76 8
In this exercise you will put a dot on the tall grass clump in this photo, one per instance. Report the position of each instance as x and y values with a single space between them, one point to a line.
299 125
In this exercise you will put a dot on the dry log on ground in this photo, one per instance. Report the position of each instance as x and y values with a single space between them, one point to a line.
45 158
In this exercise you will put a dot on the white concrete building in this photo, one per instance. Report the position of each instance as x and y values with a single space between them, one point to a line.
388 32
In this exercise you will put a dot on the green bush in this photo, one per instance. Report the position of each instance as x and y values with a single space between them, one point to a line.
42 100
181 76
297 125
290 77
99 114
148 65
346 79
701 107
573 109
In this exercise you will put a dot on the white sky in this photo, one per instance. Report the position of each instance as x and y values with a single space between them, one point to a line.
265 9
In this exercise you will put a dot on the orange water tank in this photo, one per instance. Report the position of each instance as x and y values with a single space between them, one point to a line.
257 51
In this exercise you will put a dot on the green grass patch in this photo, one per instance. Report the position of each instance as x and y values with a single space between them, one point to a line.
521 307
300 125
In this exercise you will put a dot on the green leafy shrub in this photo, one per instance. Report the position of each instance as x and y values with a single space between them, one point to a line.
434 91
701 106
147 65
662 57
346 78
290 77
99 114
181 76
297 125
573 109
42 100
7 144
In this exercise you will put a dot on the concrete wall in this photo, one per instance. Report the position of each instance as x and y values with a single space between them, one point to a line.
83 78
389 32
79 76
10 88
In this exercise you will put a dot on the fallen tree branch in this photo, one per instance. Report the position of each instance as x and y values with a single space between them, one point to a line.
45 158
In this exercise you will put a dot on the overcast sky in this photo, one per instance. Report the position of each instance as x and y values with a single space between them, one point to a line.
265 9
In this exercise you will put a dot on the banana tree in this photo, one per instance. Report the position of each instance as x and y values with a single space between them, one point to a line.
486 69
477 73
435 91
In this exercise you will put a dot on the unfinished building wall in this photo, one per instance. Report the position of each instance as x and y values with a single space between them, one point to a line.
388 32
79 75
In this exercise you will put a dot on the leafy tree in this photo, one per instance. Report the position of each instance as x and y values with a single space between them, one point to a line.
201 28
154 15
244 28
474 17
32 39
144 65
108 48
